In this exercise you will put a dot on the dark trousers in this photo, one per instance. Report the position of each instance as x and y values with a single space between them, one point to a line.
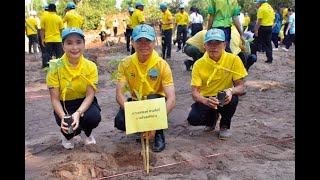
166 43
33 42
203 115
181 35
275 39
128 35
288 40
196 27
115 31
227 32
247 60
264 40
193 52
89 121
53 48
119 120
44 54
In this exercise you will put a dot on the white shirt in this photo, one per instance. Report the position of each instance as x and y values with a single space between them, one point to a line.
194 18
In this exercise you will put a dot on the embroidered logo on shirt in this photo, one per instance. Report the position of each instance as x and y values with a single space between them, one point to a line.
153 74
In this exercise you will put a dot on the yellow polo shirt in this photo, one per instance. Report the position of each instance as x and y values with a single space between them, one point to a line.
31 21
166 17
52 24
182 18
246 20
158 76
204 67
73 19
74 80
136 18
266 13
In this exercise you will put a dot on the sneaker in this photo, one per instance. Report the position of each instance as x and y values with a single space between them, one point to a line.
285 49
275 49
87 140
178 49
208 128
224 134
68 144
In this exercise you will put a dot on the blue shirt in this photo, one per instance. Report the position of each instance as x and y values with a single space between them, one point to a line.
277 20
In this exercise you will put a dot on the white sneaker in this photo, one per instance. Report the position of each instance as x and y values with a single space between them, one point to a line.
275 49
225 134
285 49
87 140
68 144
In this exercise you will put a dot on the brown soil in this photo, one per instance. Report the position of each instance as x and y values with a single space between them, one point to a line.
262 145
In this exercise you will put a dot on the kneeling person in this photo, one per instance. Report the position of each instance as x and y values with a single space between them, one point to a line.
216 71
146 72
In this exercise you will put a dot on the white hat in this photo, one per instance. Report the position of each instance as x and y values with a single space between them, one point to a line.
33 13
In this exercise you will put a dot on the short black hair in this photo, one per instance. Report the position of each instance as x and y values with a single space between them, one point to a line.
51 7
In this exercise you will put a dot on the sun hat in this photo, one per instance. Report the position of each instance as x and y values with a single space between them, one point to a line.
143 31
181 6
131 9
214 34
72 30
139 4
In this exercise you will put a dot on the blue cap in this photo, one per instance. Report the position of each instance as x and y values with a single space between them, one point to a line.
139 4
214 34
72 30
163 6
71 5
143 31
131 9
181 6
46 7
258 1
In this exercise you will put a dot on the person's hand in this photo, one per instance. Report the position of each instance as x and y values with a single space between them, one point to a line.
243 41
76 116
64 126
212 102
256 33
151 134
228 96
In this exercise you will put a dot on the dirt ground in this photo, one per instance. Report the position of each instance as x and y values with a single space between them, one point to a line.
263 127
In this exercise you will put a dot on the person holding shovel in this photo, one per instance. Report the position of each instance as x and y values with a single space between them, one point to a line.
149 74
72 83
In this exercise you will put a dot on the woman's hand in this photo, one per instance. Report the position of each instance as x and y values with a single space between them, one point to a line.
76 117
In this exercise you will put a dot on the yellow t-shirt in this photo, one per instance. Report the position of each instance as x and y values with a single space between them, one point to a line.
198 40
157 76
72 79
284 15
31 21
166 17
182 18
235 41
136 18
209 83
266 13
73 19
52 24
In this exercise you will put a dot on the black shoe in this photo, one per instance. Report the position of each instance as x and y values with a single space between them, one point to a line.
159 143
188 64
178 49
267 61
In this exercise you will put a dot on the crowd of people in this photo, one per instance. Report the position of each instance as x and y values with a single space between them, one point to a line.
222 54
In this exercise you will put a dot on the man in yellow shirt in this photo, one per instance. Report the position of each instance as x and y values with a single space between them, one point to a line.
217 71
263 28
128 28
147 73
182 22
72 17
137 18
31 27
166 30
246 21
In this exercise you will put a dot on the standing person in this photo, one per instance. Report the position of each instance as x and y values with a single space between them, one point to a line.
196 21
166 30
79 100
246 21
72 17
276 30
146 72
51 27
221 15
182 22
137 18
44 53
290 32
102 29
115 25
194 48
128 27
263 27
31 28
216 71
